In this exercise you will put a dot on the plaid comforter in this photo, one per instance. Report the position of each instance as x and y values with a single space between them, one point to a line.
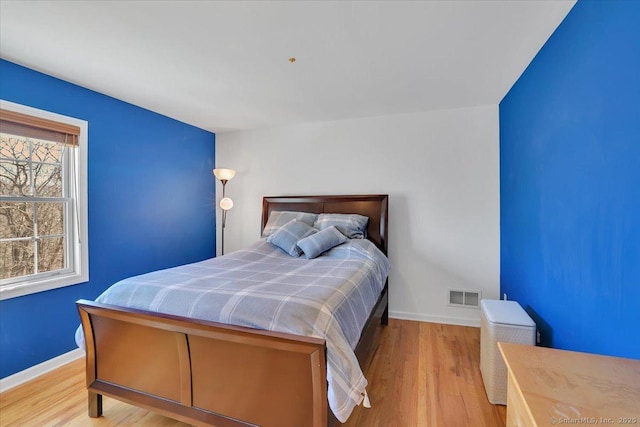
262 287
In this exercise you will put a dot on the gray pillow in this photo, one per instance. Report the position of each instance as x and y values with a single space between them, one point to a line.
322 241
353 226
287 236
277 219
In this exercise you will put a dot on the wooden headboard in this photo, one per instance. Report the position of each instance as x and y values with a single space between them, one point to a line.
375 206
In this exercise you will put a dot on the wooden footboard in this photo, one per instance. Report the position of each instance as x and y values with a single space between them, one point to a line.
201 372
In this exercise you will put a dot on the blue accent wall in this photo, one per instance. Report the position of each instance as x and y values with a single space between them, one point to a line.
570 183
151 206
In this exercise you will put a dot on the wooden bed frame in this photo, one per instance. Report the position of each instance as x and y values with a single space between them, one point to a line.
207 373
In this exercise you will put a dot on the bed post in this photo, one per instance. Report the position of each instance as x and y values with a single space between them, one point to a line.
385 316
95 404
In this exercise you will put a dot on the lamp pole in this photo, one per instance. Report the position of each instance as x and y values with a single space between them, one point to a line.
224 212
224 175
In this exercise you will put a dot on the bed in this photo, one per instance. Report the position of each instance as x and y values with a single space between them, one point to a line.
211 373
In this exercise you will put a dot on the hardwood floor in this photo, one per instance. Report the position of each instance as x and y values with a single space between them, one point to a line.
423 374
427 374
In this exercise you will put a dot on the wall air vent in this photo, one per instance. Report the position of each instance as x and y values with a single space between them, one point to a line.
462 298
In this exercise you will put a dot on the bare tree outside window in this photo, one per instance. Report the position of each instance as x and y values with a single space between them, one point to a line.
32 218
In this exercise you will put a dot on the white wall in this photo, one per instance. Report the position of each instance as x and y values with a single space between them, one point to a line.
440 169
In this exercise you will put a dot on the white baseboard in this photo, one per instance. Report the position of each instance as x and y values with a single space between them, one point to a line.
460 321
33 372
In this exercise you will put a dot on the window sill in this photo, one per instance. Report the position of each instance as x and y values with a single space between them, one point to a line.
27 288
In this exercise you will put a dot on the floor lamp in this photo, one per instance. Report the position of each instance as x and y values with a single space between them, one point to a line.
224 175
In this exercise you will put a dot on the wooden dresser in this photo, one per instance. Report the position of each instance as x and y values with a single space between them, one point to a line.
557 387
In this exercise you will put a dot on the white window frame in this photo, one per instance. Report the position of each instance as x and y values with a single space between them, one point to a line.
76 229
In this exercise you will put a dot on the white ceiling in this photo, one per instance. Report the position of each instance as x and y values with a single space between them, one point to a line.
223 66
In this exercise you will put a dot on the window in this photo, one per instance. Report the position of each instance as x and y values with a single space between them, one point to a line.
43 203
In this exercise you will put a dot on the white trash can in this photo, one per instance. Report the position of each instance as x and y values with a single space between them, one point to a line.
501 321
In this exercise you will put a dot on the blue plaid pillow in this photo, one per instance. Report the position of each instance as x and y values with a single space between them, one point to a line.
353 226
322 241
277 219
288 235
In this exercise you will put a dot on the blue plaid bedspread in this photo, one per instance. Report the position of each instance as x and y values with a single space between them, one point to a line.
329 297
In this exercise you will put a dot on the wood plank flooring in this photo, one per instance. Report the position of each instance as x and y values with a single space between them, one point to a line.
422 374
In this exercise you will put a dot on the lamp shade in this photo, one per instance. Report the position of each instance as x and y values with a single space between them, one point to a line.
226 204
224 174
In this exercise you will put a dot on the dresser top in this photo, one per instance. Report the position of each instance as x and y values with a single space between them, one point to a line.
560 386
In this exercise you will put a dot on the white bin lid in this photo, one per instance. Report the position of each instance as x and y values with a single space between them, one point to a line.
505 313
